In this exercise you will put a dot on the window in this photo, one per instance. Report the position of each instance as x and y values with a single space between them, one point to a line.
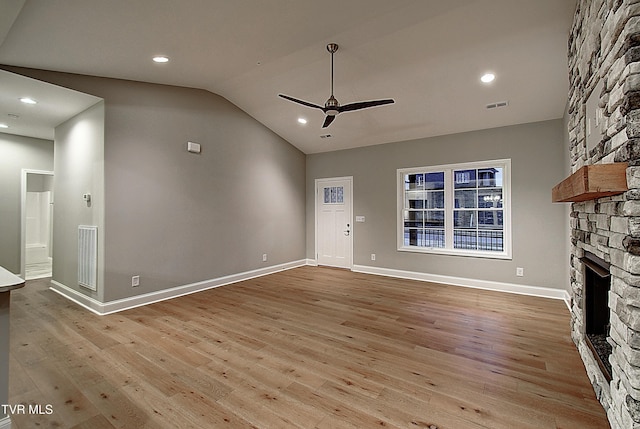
334 195
460 209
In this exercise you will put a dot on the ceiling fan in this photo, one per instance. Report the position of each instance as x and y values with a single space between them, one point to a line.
332 107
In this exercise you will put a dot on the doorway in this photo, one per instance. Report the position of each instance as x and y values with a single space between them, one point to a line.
37 224
334 226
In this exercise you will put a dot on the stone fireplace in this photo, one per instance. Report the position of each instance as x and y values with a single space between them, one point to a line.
604 128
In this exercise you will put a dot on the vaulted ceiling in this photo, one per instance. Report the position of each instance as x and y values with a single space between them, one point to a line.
426 54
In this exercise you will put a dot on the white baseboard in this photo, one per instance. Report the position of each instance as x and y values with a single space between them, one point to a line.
104 308
5 423
461 281
567 300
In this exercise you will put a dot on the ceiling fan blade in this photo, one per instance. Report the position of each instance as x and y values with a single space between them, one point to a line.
304 103
364 105
328 120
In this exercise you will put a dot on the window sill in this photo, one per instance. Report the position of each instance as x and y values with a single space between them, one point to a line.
451 252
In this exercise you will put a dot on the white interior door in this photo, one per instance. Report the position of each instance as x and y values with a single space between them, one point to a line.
334 227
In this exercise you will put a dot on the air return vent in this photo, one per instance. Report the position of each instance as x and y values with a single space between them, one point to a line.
87 256
497 104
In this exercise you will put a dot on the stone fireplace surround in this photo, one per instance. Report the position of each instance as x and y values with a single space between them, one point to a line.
604 52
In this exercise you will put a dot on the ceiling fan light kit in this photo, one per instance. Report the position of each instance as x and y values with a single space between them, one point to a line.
332 107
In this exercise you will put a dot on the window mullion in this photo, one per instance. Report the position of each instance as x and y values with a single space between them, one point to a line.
448 209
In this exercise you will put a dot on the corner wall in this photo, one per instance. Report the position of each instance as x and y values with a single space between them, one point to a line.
79 169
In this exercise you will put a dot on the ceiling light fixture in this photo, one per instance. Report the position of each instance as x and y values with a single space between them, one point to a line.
160 59
302 121
488 77
28 100
4 126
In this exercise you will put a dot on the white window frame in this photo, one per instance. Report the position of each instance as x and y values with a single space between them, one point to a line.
448 170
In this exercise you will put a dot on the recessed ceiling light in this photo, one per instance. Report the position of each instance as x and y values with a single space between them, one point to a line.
160 59
4 126
27 100
302 121
488 77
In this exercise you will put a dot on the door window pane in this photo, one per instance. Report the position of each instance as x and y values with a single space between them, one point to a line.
334 195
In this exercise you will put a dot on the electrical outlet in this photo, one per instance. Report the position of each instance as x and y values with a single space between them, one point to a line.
264 257
135 281
373 256
520 272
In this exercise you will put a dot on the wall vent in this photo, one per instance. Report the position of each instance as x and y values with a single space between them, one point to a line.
87 256
497 104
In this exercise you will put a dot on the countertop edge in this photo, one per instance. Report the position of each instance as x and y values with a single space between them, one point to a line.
9 281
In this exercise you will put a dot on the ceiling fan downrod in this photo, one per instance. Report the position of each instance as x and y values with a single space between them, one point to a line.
332 48
332 105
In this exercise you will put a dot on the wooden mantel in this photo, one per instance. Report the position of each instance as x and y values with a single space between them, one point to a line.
591 182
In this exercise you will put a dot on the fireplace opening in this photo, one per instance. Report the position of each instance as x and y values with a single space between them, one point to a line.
597 283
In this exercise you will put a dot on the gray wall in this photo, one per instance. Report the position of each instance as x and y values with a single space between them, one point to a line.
17 153
538 226
173 217
79 169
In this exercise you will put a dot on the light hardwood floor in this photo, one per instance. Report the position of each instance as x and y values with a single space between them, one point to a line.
310 348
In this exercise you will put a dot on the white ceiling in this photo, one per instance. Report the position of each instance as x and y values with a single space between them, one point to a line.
55 105
426 54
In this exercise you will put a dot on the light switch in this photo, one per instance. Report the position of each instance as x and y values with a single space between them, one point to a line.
359 218
193 147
